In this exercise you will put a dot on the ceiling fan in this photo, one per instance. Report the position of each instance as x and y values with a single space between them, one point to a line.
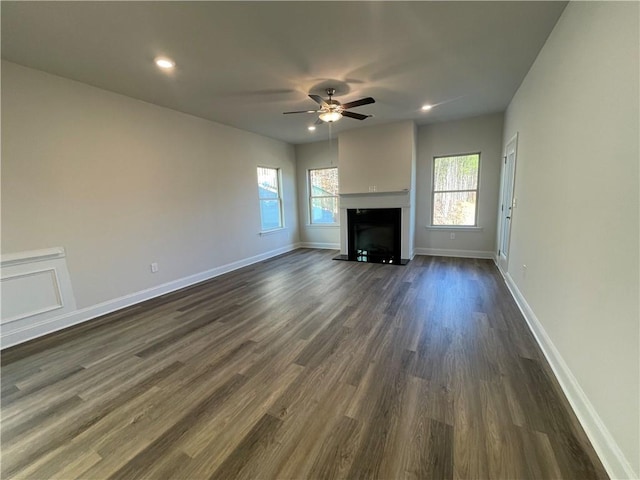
332 110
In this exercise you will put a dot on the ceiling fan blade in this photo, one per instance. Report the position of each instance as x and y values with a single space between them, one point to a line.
302 111
357 103
357 116
318 122
318 99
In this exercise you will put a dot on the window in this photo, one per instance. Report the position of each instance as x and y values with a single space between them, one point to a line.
323 196
270 195
455 190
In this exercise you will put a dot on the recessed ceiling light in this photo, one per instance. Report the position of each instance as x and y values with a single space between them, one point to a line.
426 107
311 128
165 63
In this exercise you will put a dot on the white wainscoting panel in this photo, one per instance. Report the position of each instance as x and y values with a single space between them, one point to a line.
35 287
29 294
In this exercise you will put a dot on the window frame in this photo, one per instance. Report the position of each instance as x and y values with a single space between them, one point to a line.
278 197
434 191
311 197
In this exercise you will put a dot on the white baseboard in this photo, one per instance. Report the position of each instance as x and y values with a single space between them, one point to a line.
445 252
32 330
614 461
327 246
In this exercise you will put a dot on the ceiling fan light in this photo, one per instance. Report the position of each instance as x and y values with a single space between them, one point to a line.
332 116
165 63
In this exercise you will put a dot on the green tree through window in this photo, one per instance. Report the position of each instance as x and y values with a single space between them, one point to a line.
323 196
455 190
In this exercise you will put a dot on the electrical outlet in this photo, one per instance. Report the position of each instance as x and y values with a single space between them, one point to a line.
154 267
452 236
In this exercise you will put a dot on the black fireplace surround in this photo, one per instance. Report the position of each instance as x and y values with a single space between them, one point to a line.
374 235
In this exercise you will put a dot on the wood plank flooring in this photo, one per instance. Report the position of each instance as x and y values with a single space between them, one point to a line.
299 367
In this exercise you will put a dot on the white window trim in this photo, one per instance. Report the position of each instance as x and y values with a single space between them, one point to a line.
262 233
458 228
260 199
310 198
433 193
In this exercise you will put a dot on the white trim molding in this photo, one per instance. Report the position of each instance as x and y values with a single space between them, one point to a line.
31 256
608 451
454 228
272 231
445 252
37 329
375 200
327 246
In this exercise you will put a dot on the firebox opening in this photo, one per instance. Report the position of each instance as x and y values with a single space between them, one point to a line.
374 235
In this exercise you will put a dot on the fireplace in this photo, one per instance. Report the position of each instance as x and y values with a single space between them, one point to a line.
376 227
374 235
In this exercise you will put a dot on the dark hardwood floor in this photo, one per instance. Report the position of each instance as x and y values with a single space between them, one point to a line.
299 367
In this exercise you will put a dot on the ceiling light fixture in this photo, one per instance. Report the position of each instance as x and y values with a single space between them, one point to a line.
165 63
426 108
311 128
330 116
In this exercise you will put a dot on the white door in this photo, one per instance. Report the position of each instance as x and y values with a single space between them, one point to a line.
508 202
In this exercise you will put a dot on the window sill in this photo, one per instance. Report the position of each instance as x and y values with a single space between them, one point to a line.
454 228
322 225
271 232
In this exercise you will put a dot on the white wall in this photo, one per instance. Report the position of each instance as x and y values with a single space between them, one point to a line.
120 183
576 225
309 156
478 134
377 158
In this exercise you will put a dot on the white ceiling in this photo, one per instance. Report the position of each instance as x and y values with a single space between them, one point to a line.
244 63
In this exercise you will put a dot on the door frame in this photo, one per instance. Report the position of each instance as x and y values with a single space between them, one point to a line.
507 202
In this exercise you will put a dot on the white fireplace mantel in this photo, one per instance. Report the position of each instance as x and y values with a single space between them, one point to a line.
376 200
400 200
